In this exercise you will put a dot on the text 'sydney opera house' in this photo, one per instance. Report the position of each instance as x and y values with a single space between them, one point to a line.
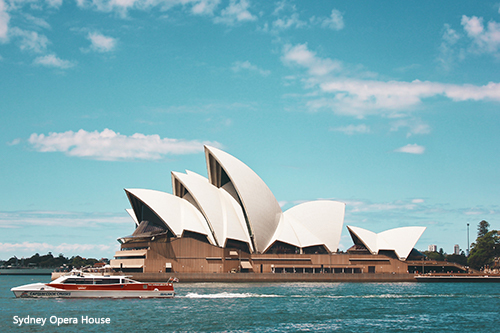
232 223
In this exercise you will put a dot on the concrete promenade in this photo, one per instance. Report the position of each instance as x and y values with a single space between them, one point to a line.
273 277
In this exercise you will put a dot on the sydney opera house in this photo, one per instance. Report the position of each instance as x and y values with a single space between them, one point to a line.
230 223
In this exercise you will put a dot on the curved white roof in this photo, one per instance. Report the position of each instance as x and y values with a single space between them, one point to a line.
321 219
223 213
130 212
293 232
261 207
401 240
367 237
177 214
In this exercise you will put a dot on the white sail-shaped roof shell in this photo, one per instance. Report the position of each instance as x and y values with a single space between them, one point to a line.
367 237
235 204
177 214
293 232
130 212
222 212
400 240
320 221
259 204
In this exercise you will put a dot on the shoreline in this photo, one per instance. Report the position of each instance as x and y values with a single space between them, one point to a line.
458 278
310 277
27 271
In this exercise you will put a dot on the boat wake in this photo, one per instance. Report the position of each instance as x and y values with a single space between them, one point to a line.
252 295
227 295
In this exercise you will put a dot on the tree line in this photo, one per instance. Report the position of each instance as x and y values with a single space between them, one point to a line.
460 259
483 253
486 248
49 261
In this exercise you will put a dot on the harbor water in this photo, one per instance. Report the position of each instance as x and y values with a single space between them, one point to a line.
264 307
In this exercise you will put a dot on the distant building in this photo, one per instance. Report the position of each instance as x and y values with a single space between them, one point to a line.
432 248
456 249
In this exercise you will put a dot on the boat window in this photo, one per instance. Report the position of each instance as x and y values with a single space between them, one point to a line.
78 281
107 281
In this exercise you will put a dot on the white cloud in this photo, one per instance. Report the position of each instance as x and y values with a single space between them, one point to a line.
477 38
289 18
289 22
101 43
335 21
121 7
362 206
51 60
205 7
449 35
37 21
473 213
246 65
111 146
417 206
414 125
54 3
34 247
236 11
76 224
353 129
280 6
4 22
481 210
30 40
23 219
447 49
300 55
473 25
411 149
14 142
361 97
485 39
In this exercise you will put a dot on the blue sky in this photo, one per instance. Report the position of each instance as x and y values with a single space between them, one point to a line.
391 107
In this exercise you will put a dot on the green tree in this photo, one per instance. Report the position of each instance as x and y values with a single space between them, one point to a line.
81 262
460 259
77 261
486 247
433 255
482 228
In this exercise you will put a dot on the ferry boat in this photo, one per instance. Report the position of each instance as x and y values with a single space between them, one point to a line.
79 284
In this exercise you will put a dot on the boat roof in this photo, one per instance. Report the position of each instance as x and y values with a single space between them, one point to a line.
86 275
